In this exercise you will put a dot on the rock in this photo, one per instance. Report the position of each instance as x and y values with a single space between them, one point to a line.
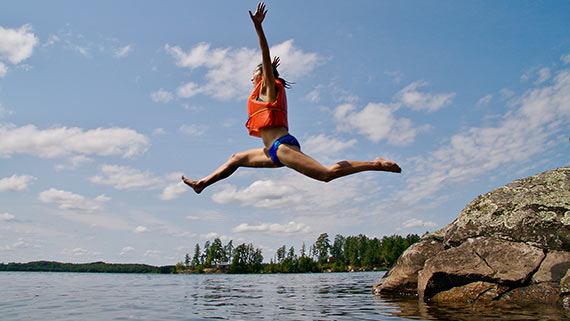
509 245
474 292
403 278
534 210
565 290
553 268
479 259
543 293
565 283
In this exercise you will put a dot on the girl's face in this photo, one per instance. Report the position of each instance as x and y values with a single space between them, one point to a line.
256 77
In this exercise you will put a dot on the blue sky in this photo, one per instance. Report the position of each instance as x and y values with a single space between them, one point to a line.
104 105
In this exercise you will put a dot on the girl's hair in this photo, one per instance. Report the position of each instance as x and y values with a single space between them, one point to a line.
285 83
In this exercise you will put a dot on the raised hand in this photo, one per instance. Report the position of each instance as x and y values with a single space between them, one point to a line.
276 62
259 14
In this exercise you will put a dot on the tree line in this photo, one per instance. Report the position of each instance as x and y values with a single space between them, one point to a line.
98 267
353 253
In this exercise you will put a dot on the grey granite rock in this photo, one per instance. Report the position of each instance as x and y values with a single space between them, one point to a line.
509 245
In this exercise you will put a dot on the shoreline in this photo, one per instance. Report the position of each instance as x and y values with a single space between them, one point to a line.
134 268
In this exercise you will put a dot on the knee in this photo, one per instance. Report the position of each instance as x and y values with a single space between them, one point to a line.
236 159
330 173
326 176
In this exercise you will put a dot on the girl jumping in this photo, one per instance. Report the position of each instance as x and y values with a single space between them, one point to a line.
267 111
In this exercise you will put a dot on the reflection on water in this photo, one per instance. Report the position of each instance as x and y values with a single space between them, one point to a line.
331 296
409 307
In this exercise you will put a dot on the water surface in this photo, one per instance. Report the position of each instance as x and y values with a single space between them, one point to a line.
322 296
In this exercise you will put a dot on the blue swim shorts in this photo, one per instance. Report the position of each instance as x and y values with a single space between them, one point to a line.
287 139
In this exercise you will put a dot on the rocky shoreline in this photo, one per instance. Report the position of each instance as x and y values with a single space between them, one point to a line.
511 245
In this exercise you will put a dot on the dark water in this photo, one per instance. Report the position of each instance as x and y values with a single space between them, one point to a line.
330 296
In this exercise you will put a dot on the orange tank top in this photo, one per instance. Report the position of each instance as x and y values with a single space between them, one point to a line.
266 114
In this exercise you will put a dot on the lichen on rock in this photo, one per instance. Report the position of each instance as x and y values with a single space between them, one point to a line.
509 245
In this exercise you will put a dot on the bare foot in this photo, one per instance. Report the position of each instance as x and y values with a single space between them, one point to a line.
388 166
196 185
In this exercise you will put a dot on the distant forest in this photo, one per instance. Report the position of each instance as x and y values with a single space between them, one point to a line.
353 253
99 267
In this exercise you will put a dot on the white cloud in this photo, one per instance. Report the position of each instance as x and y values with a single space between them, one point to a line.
3 70
193 130
126 250
507 93
325 145
102 198
289 228
161 96
416 100
126 178
73 163
231 69
197 56
315 95
377 121
543 75
81 44
189 89
75 252
208 215
565 59
414 222
17 45
15 183
526 76
209 236
159 131
6 217
173 191
334 91
295 191
226 68
294 62
52 40
523 133
3 110
63 141
141 229
263 194
396 76
485 100
68 200
97 220
342 111
22 243
152 253
123 51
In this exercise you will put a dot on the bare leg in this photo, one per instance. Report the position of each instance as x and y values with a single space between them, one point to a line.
251 158
292 157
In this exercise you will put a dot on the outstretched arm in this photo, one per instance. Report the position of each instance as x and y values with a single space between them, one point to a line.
268 86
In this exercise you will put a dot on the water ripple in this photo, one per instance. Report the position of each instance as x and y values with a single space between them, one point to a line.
331 296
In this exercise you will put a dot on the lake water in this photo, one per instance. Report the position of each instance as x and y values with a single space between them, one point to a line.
323 296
